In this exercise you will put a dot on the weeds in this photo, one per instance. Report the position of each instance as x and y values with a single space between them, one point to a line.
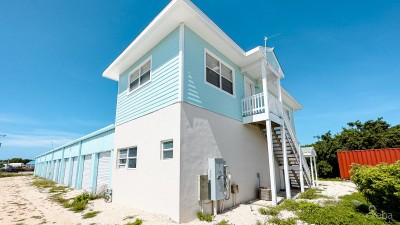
136 222
278 221
2 175
270 211
204 216
312 193
90 214
223 222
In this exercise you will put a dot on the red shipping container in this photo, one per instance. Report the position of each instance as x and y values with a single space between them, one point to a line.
365 157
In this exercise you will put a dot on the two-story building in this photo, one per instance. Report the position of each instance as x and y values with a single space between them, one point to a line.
187 93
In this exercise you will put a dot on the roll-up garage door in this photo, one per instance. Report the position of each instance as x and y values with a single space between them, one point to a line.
103 171
87 169
66 172
55 170
74 168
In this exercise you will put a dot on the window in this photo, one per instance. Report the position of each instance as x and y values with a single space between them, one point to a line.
218 74
167 149
140 76
127 158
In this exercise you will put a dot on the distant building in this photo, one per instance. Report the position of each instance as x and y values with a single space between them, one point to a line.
30 165
14 165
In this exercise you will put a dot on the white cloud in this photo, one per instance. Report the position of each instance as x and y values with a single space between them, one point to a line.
39 138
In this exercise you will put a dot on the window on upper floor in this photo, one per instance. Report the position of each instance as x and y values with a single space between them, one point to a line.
127 158
140 76
167 149
219 74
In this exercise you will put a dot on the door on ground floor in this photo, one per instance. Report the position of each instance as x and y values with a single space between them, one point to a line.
103 171
66 172
87 171
74 170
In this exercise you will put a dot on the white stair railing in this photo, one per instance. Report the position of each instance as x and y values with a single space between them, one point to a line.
298 150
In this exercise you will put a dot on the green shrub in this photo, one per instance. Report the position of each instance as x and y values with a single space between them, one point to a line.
380 185
312 193
90 214
136 222
223 222
204 216
270 211
278 221
80 202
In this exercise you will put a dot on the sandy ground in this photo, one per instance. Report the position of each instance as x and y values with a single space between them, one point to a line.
22 203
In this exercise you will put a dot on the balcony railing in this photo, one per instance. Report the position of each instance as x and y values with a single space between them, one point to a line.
254 104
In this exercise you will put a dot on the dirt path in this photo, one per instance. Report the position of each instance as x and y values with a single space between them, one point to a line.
22 203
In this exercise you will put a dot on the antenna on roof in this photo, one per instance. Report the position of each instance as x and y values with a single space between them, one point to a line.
267 38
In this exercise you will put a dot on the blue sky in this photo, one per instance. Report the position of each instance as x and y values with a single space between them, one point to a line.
341 61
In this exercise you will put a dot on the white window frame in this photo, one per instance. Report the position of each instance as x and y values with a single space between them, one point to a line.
137 68
127 158
206 51
168 149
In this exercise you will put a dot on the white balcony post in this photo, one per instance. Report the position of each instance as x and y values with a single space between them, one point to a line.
269 135
312 171
279 88
316 172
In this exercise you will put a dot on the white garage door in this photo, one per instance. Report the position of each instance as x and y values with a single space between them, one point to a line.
103 171
66 172
74 168
55 170
87 169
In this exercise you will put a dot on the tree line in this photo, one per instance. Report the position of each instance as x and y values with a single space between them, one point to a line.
372 134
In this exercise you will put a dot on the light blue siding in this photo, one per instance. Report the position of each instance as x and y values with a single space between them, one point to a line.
71 151
161 91
272 61
58 154
204 95
99 143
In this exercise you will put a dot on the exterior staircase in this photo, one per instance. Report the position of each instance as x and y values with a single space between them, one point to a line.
293 150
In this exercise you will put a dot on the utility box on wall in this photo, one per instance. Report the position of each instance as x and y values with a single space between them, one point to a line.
216 176
203 188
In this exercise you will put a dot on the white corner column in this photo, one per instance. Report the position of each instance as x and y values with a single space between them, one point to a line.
269 135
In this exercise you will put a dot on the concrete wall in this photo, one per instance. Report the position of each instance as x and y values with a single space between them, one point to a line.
154 185
205 135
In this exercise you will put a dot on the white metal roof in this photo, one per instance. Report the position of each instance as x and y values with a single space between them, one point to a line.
308 151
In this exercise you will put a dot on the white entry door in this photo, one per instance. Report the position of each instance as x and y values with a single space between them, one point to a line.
249 88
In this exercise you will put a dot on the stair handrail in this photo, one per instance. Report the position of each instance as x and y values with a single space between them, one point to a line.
297 148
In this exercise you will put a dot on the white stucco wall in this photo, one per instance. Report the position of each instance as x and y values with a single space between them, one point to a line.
204 135
154 185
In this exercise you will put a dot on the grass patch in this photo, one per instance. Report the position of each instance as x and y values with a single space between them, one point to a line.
270 211
43 183
331 179
204 216
350 209
223 222
2 175
90 214
136 222
312 193
278 221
